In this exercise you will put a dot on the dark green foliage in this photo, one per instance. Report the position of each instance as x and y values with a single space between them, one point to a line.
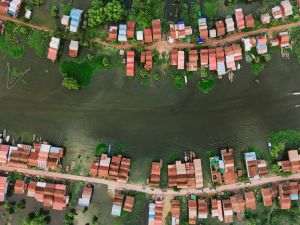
206 85
257 68
39 42
40 217
69 217
100 149
295 36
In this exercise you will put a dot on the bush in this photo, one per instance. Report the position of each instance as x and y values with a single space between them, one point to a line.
38 40
70 83
206 85
257 68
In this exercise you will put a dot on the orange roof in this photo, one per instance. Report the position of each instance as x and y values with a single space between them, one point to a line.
130 65
174 57
204 57
250 200
238 203
129 203
130 29
267 196
52 54
250 23
156 27
148 35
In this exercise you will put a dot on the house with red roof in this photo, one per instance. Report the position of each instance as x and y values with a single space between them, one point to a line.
146 58
250 200
130 29
217 209
174 57
212 59
267 196
284 39
250 22
286 8
239 18
192 64
130 67
148 35
156 29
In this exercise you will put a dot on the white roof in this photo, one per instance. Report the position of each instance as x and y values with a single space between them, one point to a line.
247 44
28 14
74 45
212 33
116 210
54 43
140 35
41 184
45 148
65 20
73 29
250 156
221 68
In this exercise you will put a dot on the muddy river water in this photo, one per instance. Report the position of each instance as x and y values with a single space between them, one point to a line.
151 122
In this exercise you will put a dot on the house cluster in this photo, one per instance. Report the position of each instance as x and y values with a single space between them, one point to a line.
42 156
187 174
54 46
10 7
124 32
223 169
215 59
3 188
115 168
285 193
154 179
155 213
72 21
255 168
179 31
121 202
146 59
230 24
50 195
292 164
224 210
86 196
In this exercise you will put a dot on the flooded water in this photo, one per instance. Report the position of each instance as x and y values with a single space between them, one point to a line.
152 122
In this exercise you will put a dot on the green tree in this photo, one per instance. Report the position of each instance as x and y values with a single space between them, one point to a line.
37 2
37 218
96 17
206 85
257 68
113 11
69 217
211 8
70 83
101 148
54 11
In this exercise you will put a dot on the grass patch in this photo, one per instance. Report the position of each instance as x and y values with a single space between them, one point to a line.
75 190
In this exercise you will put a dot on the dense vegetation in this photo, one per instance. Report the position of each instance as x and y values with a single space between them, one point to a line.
295 36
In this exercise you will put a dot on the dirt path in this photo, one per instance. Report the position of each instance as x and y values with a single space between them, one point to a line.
145 188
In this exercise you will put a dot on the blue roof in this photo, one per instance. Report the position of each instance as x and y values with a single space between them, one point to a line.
294 196
75 23
76 14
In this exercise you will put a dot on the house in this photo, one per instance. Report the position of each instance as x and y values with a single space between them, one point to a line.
284 195
229 170
20 187
73 48
75 19
203 29
180 60
175 212
212 59
284 39
221 69
217 209
292 164
250 22
117 205
286 7
227 211
146 58
155 213
154 179
250 200
130 29
238 204
14 8
174 57
151 214
28 14
204 58
122 35
4 7
3 188
130 64
212 33
192 64
65 20
239 18
276 12
192 211
220 26
265 18
85 199
112 33
53 48
148 36
249 43
293 190
229 24
156 29
255 168
267 196
4 150
202 209
261 44
129 203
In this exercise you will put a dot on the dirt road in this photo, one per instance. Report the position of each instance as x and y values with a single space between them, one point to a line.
145 188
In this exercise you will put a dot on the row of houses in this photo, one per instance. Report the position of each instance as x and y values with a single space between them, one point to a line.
42 156
54 47
122 203
187 174
114 168
224 210
124 32
50 195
